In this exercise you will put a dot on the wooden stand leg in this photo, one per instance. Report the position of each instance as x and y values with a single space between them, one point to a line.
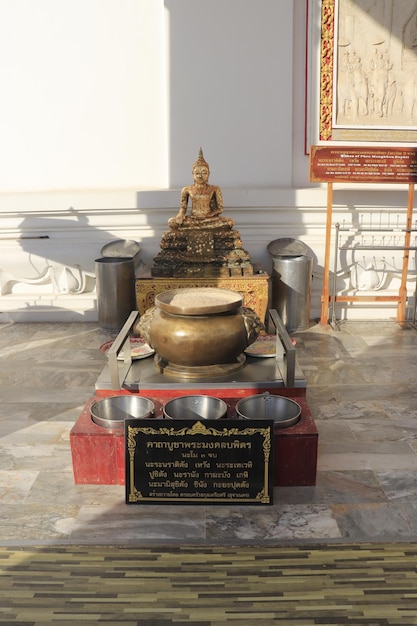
401 310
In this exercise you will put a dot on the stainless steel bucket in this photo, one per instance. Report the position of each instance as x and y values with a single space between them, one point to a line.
195 408
112 412
284 411
291 282
115 284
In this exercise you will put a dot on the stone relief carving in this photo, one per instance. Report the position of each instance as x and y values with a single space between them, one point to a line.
58 279
376 63
370 274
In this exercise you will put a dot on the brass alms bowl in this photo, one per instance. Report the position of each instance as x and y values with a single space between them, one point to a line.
199 332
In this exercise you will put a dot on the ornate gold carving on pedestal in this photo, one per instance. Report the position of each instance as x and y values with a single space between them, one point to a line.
253 289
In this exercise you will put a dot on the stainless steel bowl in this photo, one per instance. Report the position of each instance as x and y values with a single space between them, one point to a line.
195 408
284 411
112 412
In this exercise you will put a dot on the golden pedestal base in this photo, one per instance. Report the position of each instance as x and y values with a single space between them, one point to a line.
253 289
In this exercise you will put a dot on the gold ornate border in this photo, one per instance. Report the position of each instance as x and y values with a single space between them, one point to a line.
263 497
326 130
326 69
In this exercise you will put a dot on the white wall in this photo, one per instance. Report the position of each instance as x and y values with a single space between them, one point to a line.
83 101
115 94
105 106
230 74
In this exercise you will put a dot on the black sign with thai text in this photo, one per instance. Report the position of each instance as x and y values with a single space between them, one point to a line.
209 461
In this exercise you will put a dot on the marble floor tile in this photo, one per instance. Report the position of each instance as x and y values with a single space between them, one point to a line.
359 392
38 523
16 484
336 487
360 389
408 509
333 430
282 522
374 429
399 485
373 521
62 491
137 523
343 461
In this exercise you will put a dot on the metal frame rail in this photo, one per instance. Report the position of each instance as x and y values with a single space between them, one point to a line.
404 248
330 299
285 352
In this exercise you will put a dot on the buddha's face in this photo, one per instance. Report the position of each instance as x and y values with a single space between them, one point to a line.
201 173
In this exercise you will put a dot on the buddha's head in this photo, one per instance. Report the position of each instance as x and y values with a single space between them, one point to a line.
201 169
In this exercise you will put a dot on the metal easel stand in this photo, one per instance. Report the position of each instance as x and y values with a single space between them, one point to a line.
334 323
413 322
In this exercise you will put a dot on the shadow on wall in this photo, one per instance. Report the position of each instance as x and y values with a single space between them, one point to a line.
54 254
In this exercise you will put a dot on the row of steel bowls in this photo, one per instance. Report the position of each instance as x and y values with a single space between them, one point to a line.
111 412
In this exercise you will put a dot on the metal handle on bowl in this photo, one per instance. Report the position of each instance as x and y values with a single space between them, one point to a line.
283 338
121 345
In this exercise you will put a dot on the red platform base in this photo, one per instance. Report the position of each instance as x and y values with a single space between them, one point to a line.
98 453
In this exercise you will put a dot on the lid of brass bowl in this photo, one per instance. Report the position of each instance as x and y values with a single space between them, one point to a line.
198 300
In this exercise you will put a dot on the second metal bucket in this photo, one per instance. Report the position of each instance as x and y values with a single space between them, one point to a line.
284 411
195 408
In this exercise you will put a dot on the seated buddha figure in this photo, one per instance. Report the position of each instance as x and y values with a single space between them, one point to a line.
206 202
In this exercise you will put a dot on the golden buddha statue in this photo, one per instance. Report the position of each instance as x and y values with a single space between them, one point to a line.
206 202
203 243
